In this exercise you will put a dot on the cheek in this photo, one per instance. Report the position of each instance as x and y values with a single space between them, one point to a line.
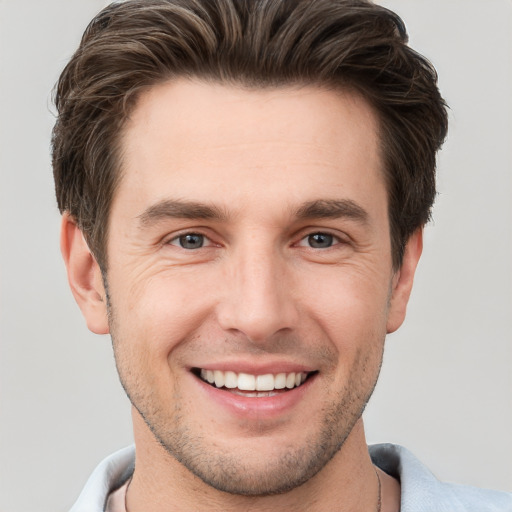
157 312
350 305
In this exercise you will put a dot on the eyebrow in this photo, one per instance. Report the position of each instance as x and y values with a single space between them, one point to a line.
332 209
180 209
317 209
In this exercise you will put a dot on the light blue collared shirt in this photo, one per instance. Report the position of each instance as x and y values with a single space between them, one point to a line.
421 491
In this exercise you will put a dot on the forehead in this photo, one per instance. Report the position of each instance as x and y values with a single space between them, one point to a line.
204 141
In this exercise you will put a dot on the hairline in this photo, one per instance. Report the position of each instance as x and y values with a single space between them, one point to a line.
133 98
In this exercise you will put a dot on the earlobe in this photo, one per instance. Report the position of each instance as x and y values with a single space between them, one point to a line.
84 276
403 280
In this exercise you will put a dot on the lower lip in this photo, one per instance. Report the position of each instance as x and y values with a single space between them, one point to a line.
256 407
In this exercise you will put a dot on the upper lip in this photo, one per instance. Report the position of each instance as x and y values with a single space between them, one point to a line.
252 368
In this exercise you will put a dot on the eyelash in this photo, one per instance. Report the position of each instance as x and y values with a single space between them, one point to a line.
179 240
176 241
333 239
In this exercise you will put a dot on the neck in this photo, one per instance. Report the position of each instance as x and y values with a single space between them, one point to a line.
160 483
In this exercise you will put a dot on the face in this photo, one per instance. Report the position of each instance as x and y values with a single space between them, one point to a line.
250 277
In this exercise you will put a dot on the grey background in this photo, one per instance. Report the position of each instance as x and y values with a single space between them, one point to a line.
446 386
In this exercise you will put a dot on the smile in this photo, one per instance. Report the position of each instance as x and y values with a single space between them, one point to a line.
260 385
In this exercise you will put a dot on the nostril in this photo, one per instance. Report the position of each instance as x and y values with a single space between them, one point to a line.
258 316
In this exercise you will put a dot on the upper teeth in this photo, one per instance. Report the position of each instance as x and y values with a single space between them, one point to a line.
248 382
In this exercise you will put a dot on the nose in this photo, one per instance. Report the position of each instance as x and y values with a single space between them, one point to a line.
258 300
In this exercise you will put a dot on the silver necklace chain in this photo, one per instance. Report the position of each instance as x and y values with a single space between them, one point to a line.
379 501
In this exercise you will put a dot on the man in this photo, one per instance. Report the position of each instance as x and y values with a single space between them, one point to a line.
244 187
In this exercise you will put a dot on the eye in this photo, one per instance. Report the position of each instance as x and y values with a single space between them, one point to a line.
319 241
190 241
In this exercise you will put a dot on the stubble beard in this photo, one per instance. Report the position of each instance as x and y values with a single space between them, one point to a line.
231 472
235 473
291 468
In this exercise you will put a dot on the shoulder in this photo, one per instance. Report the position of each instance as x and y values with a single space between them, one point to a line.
109 475
423 492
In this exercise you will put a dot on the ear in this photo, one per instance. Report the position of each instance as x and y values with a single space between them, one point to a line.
84 276
402 281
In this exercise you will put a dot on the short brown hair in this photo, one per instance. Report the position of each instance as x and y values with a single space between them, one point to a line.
353 44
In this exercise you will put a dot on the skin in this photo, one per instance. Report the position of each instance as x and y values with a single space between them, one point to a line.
266 170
